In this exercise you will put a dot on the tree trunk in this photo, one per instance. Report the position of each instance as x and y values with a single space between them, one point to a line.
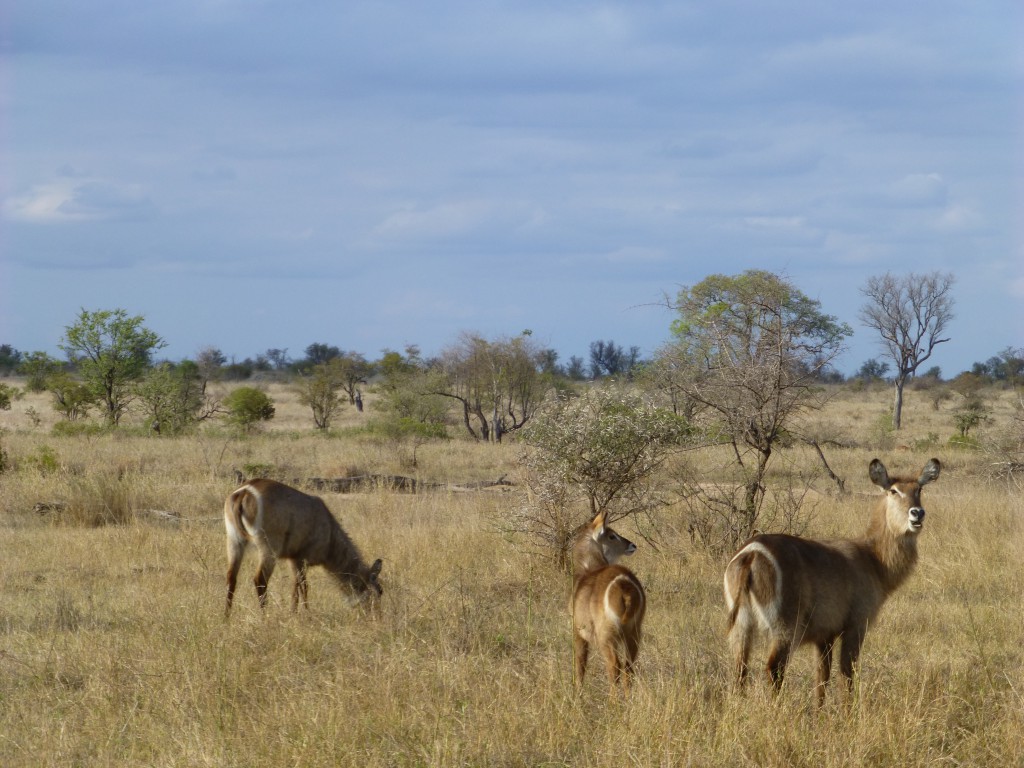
750 508
754 492
466 413
897 407
485 425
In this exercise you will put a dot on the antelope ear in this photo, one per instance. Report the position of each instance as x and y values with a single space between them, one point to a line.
375 568
598 522
879 474
930 472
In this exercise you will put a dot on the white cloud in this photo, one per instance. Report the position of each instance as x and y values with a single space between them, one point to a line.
42 203
73 199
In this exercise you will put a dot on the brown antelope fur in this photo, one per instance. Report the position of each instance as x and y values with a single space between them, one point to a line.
608 603
286 524
797 591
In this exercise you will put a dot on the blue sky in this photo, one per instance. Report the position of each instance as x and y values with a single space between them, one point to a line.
269 174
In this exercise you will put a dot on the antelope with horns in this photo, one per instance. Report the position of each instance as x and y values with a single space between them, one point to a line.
285 523
798 591
608 603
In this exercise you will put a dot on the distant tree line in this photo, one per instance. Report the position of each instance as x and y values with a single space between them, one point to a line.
495 385
492 387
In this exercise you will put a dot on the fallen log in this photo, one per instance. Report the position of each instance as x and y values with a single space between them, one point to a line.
396 483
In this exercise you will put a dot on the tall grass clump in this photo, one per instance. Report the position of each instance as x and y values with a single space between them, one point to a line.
93 501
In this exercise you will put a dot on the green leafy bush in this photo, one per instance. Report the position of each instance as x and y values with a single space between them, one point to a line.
77 429
247 407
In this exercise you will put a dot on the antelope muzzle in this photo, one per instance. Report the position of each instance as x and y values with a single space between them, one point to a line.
916 515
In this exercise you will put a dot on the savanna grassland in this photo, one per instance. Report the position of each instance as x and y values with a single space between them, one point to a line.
114 649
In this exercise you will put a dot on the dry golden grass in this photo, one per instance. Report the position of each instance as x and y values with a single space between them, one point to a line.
114 650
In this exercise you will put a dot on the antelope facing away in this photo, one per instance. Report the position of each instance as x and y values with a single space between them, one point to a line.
285 523
608 603
798 591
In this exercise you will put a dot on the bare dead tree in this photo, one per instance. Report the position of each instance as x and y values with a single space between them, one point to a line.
911 313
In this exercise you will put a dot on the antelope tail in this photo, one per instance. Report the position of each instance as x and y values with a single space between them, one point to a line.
626 602
739 584
233 511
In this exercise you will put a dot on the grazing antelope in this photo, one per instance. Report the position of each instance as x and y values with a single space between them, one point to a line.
285 523
799 591
608 603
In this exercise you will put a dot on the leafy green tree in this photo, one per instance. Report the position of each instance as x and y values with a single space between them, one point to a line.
210 363
408 413
576 369
393 364
318 354
7 395
37 368
239 371
968 384
609 359
592 453
111 351
407 392
748 350
972 413
872 370
320 390
548 362
172 397
247 407
274 359
353 370
1007 366
410 397
10 359
71 398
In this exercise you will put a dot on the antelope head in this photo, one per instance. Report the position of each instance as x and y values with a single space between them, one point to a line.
613 546
368 588
903 511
